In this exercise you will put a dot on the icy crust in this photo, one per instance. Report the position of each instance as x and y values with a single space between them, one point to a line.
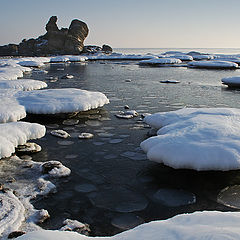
160 61
119 56
198 225
12 212
18 133
213 64
65 100
232 81
23 84
192 138
31 63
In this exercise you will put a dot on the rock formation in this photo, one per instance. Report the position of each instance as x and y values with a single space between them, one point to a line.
55 41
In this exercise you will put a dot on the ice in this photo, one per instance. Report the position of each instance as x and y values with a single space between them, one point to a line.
228 59
118 56
85 188
60 133
11 214
74 225
230 196
85 135
174 197
182 57
65 100
58 59
214 64
127 221
232 81
28 148
125 200
12 73
199 57
77 58
169 81
198 226
55 169
195 138
22 84
18 133
160 61
31 63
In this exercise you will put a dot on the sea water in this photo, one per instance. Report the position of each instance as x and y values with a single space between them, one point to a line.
113 187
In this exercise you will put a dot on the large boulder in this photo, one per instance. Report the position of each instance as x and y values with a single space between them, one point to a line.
9 50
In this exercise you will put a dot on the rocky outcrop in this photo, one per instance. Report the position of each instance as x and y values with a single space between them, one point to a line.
91 49
55 41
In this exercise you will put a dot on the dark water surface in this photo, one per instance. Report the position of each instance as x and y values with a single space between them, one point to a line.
113 186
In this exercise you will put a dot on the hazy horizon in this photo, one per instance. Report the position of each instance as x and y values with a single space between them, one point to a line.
129 24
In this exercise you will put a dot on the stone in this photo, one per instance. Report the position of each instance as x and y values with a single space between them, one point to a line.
106 48
16 234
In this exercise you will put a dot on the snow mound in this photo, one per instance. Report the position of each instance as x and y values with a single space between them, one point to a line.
31 63
214 64
232 81
65 100
192 138
12 72
199 225
160 61
202 57
22 84
11 214
17 133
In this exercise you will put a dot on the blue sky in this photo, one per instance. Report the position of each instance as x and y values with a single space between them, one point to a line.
129 23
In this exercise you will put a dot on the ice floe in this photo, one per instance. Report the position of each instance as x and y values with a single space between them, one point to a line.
198 225
214 64
31 64
199 57
195 138
160 61
232 81
182 57
65 100
18 133
22 84
228 59
60 133
119 56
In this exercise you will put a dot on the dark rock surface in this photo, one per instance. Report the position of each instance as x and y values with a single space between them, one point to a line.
55 41
91 49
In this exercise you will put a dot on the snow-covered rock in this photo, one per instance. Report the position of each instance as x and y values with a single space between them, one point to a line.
160 61
65 100
199 225
58 59
18 133
182 57
199 57
232 81
214 64
31 63
22 84
195 138
228 59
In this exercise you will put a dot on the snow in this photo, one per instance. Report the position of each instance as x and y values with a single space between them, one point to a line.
195 138
119 56
17 133
22 84
12 72
229 59
59 59
232 81
60 133
202 57
65 100
199 225
182 57
213 64
160 61
77 58
31 63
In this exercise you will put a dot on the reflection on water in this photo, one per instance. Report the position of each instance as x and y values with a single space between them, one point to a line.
113 186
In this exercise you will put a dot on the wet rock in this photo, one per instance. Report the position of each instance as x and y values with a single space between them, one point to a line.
48 166
75 226
106 48
60 133
67 76
126 107
16 234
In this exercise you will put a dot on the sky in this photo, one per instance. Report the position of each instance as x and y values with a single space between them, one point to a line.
129 23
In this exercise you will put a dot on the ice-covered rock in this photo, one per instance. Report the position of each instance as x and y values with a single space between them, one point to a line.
214 64
199 57
170 81
77 58
119 56
60 133
58 59
65 100
22 84
28 148
182 57
228 59
17 133
195 138
127 114
55 169
160 61
76 226
85 135
198 226
232 81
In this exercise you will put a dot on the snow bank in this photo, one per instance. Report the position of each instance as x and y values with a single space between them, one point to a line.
214 64
232 81
65 100
200 139
22 84
17 133
12 72
160 61
198 225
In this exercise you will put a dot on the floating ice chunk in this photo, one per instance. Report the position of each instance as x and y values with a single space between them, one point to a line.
214 64
31 64
160 61
232 81
60 133
18 133
59 59
174 197
169 81
85 135
55 169
202 57
65 100
182 57
125 200
127 114
11 214
77 58
74 225
22 84
200 139
117 56
28 148
197 226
